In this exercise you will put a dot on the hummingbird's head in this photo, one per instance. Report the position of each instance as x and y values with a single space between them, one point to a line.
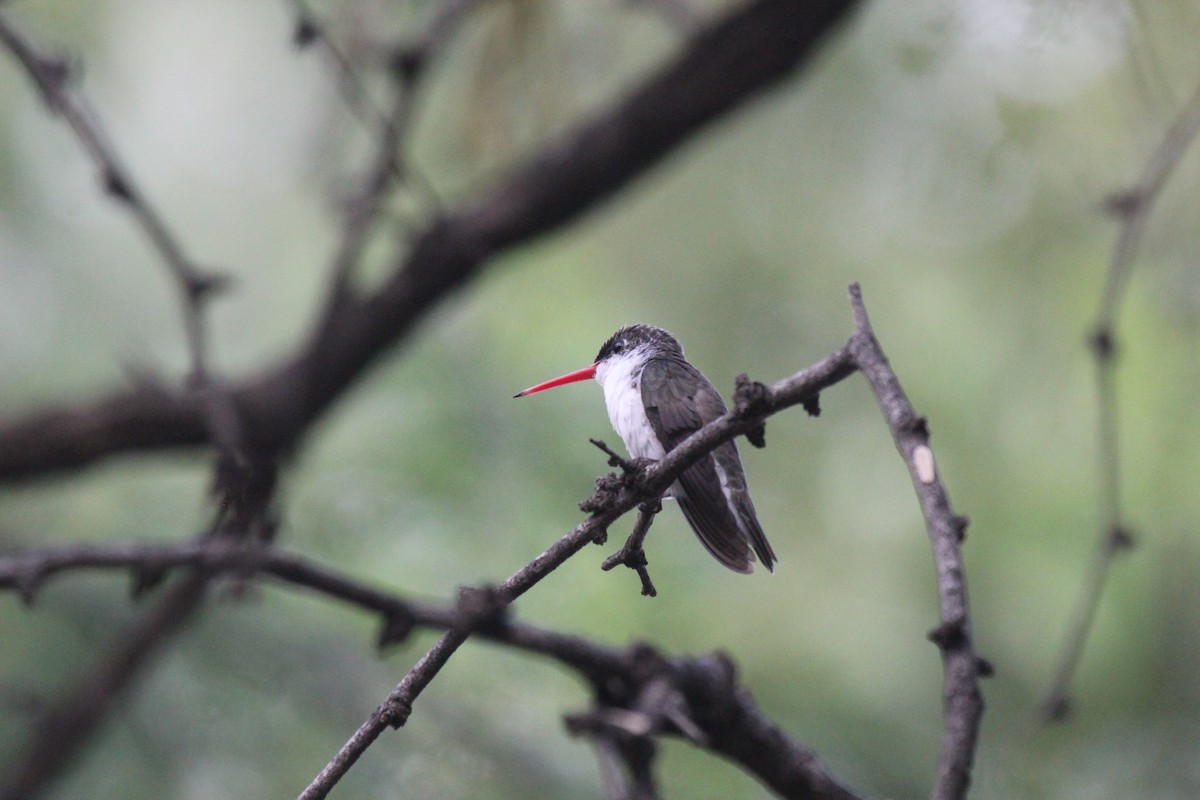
625 352
640 339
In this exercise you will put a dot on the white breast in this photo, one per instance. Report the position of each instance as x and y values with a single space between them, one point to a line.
621 377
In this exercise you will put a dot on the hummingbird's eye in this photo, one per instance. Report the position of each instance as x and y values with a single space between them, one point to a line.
615 346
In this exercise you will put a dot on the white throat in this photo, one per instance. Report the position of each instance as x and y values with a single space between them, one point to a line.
621 377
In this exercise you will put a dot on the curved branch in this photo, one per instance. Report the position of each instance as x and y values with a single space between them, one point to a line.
726 720
609 504
722 68
962 698
963 704
70 722
757 744
1132 208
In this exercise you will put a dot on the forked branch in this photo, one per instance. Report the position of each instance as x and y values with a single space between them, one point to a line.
963 700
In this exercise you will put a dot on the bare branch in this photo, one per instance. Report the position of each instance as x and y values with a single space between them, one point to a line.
654 481
632 554
723 67
1132 208
52 76
63 728
309 31
737 729
363 209
963 701
1055 703
727 63
962 698
697 699
387 164
242 482
412 58
626 759
67 727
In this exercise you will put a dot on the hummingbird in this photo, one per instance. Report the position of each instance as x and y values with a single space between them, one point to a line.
655 400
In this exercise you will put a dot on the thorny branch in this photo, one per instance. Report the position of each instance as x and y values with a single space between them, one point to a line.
1132 208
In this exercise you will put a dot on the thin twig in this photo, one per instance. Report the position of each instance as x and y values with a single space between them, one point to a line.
68 724
615 459
962 699
384 165
150 564
414 56
1132 208
52 76
632 554
364 207
307 31
406 74
626 764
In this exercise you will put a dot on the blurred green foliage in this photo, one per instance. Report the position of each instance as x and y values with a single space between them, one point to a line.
953 158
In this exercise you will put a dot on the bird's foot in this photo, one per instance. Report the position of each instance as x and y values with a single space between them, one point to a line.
633 470
634 479
652 507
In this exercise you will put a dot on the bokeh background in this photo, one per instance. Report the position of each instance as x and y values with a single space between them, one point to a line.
952 157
